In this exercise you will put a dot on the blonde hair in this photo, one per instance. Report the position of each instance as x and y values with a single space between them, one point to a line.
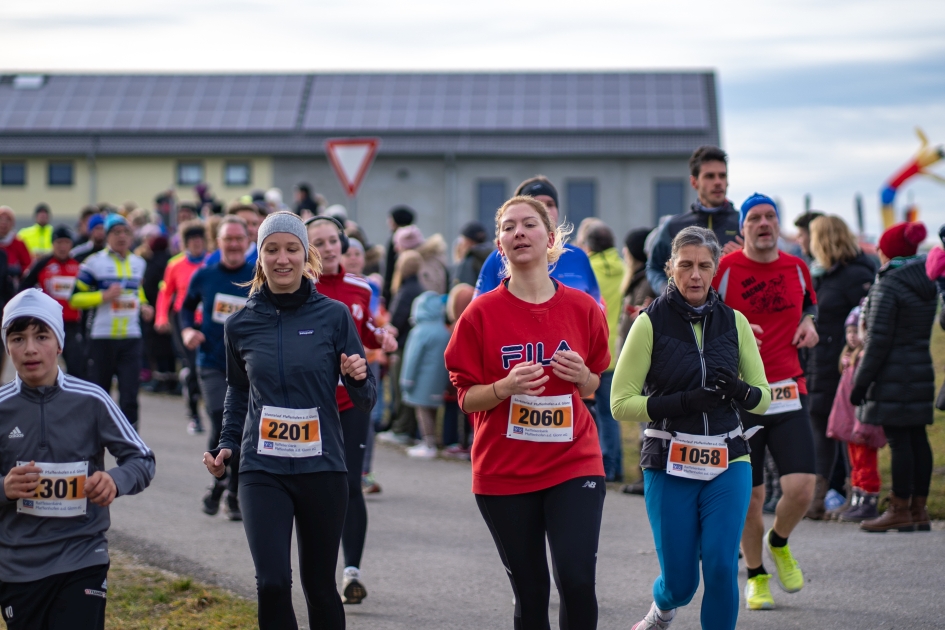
561 232
832 241
311 270
408 264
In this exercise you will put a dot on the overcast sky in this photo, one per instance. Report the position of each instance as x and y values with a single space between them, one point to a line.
818 98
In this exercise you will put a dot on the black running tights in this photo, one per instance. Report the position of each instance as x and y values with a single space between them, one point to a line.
354 425
316 502
570 515
911 460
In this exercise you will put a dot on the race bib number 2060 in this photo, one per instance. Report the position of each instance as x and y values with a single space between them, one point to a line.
60 493
541 419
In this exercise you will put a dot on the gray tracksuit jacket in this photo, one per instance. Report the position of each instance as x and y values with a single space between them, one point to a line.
71 421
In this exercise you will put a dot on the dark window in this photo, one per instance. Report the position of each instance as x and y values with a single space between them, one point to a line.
670 198
13 174
237 174
60 173
582 201
491 198
189 173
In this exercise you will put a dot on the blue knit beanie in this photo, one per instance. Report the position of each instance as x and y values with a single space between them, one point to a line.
114 220
756 199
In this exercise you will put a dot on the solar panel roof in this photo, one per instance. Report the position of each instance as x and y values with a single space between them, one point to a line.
618 102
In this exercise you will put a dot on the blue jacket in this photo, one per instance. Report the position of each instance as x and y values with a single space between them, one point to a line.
423 377
573 270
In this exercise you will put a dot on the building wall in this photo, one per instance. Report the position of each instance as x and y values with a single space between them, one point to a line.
445 192
120 179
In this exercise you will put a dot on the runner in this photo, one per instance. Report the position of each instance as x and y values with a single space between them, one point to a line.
56 490
327 236
253 216
38 237
110 283
520 372
774 291
573 269
55 275
222 290
180 270
679 373
95 242
292 344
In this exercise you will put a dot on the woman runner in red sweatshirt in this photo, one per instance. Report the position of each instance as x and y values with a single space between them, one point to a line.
522 357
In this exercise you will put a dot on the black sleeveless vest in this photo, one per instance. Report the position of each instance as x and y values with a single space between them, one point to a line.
677 365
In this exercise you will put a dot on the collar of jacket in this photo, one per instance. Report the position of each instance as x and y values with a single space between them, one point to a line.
686 310
39 394
261 301
332 278
725 207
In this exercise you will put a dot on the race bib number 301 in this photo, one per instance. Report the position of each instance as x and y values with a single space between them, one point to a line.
785 397
289 432
541 419
60 493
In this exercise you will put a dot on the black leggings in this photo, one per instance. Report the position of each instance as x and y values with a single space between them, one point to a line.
570 515
911 461
354 426
317 503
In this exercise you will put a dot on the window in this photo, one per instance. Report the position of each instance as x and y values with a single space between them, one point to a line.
582 201
13 174
491 197
189 173
670 198
237 174
60 174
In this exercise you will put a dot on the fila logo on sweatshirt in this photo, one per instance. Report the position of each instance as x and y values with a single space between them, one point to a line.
532 352
15 433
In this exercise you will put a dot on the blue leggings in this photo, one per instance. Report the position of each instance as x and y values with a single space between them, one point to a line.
689 518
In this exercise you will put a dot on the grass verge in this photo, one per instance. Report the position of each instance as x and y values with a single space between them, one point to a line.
631 460
141 596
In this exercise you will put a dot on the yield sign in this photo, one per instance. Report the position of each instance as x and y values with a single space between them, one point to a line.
351 158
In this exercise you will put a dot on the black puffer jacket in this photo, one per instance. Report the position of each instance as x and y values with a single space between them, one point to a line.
896 365
838 290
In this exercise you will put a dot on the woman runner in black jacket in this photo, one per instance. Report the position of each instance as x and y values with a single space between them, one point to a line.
286 351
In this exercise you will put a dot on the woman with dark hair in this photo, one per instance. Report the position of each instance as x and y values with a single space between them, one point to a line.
841 278
689 363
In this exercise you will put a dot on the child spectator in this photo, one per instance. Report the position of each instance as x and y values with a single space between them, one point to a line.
423 378
863 440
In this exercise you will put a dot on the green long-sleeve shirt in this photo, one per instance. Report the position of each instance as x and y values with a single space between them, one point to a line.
627 401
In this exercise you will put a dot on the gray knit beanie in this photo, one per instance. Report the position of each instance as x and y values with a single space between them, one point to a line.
287 222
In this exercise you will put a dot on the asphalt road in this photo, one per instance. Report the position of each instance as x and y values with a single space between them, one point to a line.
430 562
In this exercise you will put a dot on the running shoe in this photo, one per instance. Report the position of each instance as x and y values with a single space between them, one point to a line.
211 503
455 451
369 485
787 575
395 438
194 428
233 507
653 621
353 592
422 451
758 593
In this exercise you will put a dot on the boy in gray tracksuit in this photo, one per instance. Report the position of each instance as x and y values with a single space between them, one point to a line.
54 430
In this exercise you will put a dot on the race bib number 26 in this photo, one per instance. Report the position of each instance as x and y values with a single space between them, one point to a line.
60 493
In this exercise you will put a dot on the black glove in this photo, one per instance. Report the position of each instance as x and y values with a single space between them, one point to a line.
858 396
730 385
702 399
681 403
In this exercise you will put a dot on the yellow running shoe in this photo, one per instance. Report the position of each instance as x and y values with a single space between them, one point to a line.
788 574
758 594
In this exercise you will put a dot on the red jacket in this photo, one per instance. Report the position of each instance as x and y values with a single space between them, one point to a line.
56 278
173 289
498 331
354 293
18 257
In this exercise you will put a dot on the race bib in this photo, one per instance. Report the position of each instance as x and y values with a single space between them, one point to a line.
289 432
785 397
60 493
225 305
125 305
541 419
702 457
60 287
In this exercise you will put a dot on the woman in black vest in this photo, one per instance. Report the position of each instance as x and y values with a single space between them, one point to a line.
681 371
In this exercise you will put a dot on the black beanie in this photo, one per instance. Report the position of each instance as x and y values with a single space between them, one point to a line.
197 231
635 241
402 216
539 187
62 232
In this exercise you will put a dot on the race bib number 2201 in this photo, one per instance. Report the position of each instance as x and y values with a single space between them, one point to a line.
289 432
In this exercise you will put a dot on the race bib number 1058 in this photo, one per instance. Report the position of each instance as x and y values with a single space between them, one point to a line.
60 493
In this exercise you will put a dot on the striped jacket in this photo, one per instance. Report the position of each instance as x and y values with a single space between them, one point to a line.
71 421
118 319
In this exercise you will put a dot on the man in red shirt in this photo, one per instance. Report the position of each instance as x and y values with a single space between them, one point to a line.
774 292
55 275
18 256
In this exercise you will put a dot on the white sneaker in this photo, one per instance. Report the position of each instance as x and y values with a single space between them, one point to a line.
653 621
421 451
352 591
394 438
